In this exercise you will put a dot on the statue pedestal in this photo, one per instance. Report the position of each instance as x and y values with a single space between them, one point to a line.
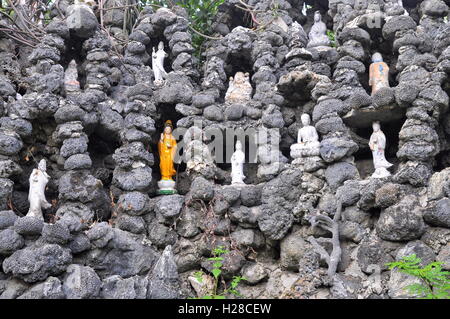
381 172
166 187
307 157
237 185
300 150
159 83
309 164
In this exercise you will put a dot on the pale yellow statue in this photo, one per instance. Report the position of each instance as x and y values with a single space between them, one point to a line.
240 89
378 73
167 147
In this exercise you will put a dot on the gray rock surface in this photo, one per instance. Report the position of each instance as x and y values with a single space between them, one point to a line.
10 241
7 219
51 288
292 249
438 214
401 222
116 287
82 21
37 263
29 225
163 282
97 121
81 282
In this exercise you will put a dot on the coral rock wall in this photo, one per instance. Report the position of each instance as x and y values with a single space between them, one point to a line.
109 235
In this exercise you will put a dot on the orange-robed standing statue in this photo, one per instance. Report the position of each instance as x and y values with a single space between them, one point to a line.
378 73
167 147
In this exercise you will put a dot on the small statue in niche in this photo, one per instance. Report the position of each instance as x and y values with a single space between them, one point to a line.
240 89
307 140
237 165
71 83
158 64
378 73
36 196
304 9
400 4
377 144
167 148
318 33
196 153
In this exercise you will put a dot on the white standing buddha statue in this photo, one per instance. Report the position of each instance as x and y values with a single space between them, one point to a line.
237 165
36 196
158 58
377 144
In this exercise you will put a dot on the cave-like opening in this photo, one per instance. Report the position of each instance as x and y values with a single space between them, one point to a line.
363 157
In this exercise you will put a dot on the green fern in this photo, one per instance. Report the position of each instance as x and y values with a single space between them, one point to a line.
202 14
216 272
436 281
332 38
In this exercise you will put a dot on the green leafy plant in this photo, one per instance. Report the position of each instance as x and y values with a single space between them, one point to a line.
332 37
199 276
435 281
275 9
234 284
201 17
216 271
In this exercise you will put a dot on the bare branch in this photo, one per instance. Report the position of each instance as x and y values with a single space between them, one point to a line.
204 35
322 252
331 225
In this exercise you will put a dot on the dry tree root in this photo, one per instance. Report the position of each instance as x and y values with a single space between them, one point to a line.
332 225
23 20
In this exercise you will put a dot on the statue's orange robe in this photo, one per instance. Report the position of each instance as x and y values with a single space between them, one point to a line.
378 76
167 150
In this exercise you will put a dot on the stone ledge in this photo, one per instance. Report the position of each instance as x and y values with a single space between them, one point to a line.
363 118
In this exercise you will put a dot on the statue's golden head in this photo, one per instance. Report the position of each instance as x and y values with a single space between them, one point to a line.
168 127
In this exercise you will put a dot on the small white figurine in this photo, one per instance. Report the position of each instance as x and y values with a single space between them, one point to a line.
400 4
318 33
36 196
377 145
239 89
307 140
304 9
158 64
237 165
71 83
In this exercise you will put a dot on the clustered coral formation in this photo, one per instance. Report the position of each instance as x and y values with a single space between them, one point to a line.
109 236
